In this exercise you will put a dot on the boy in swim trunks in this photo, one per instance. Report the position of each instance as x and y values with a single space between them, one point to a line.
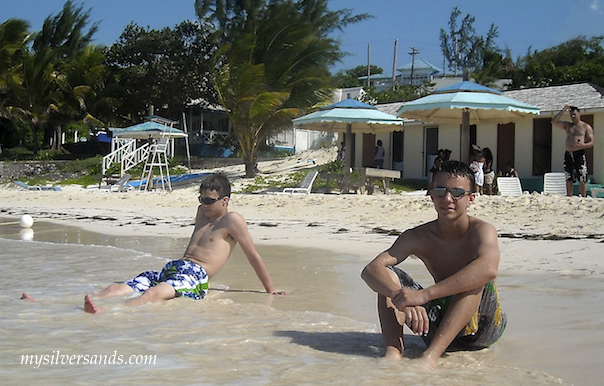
216 233
579 136
462 255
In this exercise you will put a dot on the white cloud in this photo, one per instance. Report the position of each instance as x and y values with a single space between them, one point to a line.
595 5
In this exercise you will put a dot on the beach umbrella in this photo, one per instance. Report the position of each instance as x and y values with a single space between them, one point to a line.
467 103
148 130
351 116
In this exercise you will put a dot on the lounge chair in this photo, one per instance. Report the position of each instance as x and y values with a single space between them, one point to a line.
554 183
597 192
305 186
122 185
509 186
36 187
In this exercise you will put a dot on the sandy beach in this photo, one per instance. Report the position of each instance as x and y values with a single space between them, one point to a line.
551 270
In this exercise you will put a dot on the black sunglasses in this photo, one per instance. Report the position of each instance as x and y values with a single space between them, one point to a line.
457 193
208 200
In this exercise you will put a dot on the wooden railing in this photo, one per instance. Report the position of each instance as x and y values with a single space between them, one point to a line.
127 155
117 155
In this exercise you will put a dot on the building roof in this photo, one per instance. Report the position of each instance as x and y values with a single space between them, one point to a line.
418 65
585 96
550 99
390 108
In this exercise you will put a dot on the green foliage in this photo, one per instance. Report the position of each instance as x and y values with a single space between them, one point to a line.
88 166
350 78
273 63
78 127
166 68
399 93
462 47
577 60
45 84
18 153
278 182
335 166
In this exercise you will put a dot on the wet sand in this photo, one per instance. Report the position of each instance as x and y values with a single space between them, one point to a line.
328 318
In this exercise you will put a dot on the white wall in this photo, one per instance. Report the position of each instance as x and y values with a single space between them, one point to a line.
598 166
413 156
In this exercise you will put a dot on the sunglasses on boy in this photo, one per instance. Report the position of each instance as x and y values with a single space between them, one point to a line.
456 193
208 200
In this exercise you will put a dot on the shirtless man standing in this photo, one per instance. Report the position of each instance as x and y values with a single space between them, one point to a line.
462 255
216 233
579 136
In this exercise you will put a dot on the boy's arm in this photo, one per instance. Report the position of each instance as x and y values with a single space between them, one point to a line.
241 234
376 274
556 119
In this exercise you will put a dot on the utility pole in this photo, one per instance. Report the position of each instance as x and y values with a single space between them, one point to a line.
368 65
413 52
394 65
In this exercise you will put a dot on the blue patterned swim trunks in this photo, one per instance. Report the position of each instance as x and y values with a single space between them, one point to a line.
188 279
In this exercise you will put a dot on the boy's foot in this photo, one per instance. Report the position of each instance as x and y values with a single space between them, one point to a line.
27 297
393 353
89 306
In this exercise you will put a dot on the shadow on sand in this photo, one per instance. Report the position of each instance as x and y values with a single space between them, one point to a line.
351 342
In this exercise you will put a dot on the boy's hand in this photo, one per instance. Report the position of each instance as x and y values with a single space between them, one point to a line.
282 293
406 297
416 318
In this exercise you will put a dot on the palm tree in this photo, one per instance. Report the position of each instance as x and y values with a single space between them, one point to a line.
77 81
13 36
34 93
65 35
264 77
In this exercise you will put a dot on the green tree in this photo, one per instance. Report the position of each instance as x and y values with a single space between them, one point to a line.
43 91
578 60
462 47
13 47
399 93
13 38
350 78
274 63
494 67
165 68
34 95
80 80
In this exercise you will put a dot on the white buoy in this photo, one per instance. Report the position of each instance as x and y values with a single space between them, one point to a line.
26 221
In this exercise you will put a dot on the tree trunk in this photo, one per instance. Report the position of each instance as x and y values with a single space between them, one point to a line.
35 132
56 145
251 166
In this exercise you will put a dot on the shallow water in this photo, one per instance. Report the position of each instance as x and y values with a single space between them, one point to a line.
323 332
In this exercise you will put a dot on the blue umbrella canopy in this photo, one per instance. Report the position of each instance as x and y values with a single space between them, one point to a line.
466 103
350 114
149 130
483 104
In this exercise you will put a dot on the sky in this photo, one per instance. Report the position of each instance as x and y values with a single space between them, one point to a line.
522 24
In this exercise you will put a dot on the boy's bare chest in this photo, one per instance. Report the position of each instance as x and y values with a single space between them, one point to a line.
444 259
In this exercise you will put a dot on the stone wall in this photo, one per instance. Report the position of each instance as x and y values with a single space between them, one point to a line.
10 171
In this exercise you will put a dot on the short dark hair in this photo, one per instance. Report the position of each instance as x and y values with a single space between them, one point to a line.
217 182
456 169
574 108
